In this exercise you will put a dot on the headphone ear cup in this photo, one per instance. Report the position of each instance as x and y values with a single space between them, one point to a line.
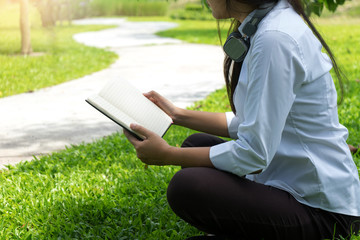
235 34
236 47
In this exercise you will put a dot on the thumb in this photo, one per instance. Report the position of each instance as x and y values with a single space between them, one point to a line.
141 130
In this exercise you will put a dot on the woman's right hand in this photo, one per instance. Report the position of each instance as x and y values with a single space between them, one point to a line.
168 107
208 122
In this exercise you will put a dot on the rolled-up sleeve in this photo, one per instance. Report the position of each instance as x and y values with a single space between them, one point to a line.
233 124
275 70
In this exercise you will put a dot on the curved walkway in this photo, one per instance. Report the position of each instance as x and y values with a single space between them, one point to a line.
33 124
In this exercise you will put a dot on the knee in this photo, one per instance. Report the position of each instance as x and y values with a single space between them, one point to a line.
193 140
182 189
201 140
177 188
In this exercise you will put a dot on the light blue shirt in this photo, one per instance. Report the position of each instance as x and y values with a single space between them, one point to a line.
287 123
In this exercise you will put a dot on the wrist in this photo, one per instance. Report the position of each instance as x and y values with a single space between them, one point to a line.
178 115
170 156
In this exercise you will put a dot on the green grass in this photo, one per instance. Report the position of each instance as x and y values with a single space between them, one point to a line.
102 191
59 58
197 31
343 39
98 191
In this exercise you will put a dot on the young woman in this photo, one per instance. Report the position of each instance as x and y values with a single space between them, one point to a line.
288 173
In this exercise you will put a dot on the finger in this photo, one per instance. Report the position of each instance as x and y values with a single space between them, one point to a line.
158 99
154 96
152 99
133 140
141 130
151 94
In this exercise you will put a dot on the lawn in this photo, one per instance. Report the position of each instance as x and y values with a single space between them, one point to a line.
58 57
101 190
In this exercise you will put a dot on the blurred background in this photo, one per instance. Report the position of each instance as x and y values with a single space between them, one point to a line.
43 30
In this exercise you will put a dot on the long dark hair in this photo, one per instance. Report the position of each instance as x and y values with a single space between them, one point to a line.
232 69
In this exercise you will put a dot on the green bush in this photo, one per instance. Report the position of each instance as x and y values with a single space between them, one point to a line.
193 7
128 8
143 9
192 12
188 15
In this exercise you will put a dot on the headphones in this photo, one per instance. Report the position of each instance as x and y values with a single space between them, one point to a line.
236 45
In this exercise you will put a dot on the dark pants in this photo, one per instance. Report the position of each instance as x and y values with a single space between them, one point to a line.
227 205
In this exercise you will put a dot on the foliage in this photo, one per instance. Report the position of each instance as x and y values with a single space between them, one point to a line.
317 6
128 8
59 58
350 9
190 15
314 6
53 11
192 11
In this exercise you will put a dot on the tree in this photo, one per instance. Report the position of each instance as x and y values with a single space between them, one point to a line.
25 27
47 12
317 6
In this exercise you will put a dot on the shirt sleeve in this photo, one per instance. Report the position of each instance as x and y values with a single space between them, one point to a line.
275 70
233 124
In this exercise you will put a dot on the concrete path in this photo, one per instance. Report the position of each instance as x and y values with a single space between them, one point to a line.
34 124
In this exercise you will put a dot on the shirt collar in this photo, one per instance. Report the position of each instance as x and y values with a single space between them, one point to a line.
246 20
280 5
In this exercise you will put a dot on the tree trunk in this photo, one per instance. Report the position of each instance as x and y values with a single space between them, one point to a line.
25 27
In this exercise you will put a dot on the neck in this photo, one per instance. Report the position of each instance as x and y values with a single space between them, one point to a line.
242 12
241 17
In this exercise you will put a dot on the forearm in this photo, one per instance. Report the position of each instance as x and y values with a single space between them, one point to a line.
208 122
213 123
188 157
191 157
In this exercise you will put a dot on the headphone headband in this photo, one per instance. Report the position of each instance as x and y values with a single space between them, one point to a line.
251 26
236 46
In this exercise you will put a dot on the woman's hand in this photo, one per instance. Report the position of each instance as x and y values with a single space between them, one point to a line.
353 149
153 150
168 107
208 122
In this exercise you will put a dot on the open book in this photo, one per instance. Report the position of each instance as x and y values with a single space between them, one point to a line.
124 104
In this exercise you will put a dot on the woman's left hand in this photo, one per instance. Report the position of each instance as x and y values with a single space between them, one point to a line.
153 150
